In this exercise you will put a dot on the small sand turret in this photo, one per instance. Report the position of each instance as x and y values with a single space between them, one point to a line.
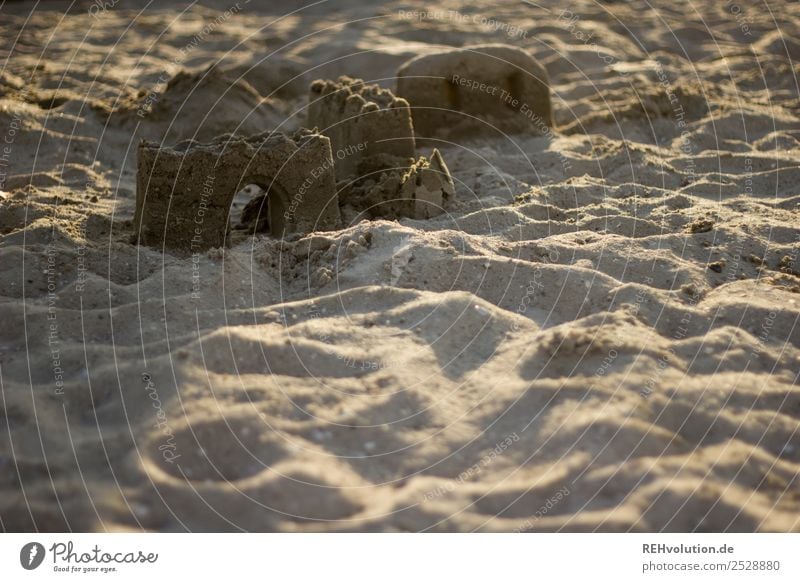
372 137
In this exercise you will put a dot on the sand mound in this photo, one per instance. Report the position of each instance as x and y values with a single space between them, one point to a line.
202 105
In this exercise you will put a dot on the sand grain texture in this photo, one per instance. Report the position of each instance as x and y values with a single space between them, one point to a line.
600 332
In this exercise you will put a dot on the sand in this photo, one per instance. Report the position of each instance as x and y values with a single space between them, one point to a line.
599 334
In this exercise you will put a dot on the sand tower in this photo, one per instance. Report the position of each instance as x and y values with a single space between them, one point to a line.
476 91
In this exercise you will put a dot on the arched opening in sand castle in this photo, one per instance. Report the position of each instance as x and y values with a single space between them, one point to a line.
259 206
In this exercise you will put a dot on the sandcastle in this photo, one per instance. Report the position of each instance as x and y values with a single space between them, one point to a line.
361 153
184 193
476 90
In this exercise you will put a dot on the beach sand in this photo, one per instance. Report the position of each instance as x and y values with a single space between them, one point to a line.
599 334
